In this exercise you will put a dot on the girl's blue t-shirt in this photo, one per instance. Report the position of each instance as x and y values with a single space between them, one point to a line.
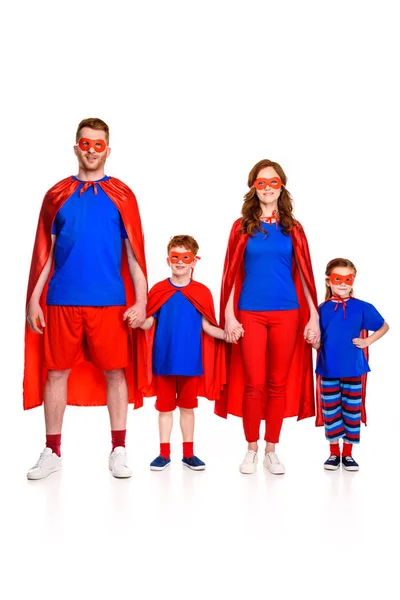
88 251
177 348
268 262
338 356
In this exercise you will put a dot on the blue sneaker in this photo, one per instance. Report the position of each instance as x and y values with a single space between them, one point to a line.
332 463
349 463
160 463
194 463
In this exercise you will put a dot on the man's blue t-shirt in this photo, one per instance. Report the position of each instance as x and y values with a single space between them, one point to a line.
268 281
338 356
177 348
88 251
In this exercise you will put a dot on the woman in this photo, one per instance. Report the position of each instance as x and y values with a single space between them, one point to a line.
268 305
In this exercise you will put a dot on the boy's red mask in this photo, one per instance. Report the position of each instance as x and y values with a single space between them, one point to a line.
86 143
274 182
337 279
186 257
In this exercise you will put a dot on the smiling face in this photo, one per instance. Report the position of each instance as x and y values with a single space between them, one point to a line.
181 260
268 196
341 281
92 150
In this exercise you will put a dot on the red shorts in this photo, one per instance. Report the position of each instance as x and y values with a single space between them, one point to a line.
77 333
176 390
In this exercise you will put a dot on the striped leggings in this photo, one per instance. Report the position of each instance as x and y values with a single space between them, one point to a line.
341 408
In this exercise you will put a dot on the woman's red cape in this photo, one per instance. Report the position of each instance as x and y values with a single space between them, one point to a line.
86 383
214 377
300 400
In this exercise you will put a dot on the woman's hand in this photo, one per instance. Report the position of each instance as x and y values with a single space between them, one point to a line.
312 332
233 330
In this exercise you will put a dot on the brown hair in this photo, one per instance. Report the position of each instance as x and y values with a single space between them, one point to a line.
251 210
94 123
330 267
186 241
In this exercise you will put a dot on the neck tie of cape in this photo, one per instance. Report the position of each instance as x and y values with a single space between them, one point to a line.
87 185
342 301
273 217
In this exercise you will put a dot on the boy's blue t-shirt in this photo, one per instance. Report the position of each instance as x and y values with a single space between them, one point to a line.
177 348
338 356
268 282
88 251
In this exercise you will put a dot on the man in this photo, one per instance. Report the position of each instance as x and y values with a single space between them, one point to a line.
88 265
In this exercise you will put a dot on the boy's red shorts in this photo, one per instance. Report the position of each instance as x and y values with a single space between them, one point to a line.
95 333
176 390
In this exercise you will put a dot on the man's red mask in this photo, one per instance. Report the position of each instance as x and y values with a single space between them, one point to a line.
274 182
86 143
186 257
337 279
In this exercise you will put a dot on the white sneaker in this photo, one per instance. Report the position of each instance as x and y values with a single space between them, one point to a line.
249 464
117 463
273 464
48 462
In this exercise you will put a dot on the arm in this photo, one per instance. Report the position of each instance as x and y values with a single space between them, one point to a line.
233 329
215 332
313 323
137 312
148 324
34 311
365 342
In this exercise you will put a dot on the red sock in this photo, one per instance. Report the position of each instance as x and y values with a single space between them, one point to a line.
347 449
335 449
118 438
165 450
53 441
187 449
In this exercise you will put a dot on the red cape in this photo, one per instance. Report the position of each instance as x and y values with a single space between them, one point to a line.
214 377
86 383
300 385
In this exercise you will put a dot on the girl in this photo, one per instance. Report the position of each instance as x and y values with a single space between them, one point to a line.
342 360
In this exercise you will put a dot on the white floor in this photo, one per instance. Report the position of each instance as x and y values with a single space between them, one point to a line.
181 534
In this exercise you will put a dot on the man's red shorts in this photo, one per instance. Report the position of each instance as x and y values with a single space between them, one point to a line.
176 390
77 333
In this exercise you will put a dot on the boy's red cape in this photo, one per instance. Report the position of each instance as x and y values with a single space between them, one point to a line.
214 377
86 383
300 400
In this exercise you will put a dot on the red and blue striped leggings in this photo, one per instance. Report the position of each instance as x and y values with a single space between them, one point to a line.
341 408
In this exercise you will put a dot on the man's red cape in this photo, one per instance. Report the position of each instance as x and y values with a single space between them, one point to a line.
86 383
320 420
214 377
300 385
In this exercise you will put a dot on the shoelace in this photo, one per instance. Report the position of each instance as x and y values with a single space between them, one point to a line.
122 457
340 300
332 458
43 456
250 457
349 458
273 458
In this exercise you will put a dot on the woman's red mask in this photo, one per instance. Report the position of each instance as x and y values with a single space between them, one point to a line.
337 279
261 184
186 257
86 143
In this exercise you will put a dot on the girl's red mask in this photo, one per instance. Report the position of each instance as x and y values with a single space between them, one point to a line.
337 279
261 184
86 143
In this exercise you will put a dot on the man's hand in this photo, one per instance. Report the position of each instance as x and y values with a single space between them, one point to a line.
35 317
135 315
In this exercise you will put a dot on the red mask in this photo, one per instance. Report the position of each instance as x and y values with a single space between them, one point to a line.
98 145
186 257
274 182
337 279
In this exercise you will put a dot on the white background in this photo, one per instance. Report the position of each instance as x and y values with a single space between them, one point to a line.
196 93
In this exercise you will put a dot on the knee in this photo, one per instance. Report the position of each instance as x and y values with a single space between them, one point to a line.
58 376
186 412
255 390
115 376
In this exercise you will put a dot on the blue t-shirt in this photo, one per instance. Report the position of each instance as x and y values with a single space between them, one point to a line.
88 251
268 281
338 356
177 348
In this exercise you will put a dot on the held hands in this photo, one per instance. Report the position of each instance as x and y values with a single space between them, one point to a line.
135 315
35 317
360 342
312 333
233 331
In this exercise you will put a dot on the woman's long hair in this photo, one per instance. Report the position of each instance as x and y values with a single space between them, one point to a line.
252 210
330 267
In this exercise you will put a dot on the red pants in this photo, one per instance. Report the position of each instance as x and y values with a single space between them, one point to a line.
176 390
267 348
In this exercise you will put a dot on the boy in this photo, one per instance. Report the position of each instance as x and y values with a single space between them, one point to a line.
185 362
